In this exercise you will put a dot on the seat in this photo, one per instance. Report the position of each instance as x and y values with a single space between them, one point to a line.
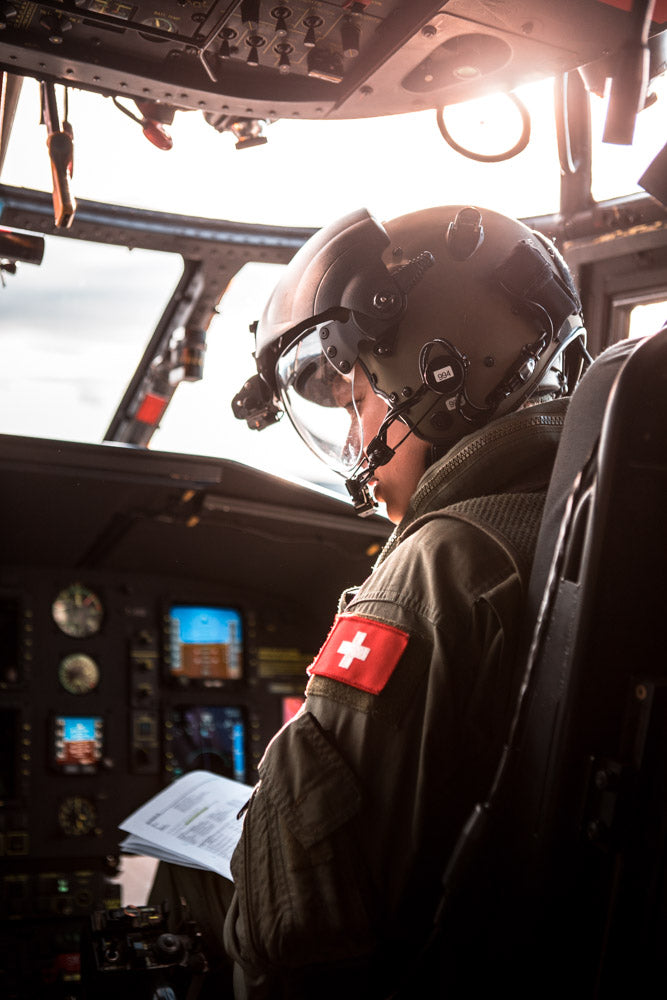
558 885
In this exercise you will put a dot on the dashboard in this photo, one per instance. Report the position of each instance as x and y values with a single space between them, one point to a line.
157 615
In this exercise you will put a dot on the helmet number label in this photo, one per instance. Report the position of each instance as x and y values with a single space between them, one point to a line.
443 374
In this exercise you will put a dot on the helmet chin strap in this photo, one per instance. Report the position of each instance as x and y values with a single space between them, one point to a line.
377 453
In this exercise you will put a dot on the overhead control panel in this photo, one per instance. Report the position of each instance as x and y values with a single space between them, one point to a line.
249 60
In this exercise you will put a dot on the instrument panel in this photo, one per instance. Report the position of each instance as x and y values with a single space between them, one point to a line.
105 679
157 615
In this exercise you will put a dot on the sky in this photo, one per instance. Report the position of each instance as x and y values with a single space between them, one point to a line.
316 170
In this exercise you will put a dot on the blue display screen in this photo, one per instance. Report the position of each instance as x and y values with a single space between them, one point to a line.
78 741
78 729
206 643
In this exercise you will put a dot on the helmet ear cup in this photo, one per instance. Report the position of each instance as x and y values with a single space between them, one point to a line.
482 326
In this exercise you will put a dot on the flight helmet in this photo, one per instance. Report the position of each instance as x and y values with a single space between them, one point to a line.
455 315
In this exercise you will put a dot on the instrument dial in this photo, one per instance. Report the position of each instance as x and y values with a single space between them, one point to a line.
77 611
78 673
77 816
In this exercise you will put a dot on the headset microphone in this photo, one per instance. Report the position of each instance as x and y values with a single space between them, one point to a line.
378 453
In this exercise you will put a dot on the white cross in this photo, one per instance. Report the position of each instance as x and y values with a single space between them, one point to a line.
354 650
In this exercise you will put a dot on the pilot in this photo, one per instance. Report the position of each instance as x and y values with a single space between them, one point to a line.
428 360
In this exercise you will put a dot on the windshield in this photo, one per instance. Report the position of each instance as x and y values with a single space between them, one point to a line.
319 169
199 418
75 328
66 361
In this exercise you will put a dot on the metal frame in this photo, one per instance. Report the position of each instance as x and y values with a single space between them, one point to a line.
213 252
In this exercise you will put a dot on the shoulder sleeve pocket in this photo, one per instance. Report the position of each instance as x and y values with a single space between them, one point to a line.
303 893
308 782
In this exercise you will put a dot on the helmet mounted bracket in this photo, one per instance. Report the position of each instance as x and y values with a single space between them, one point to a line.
546 295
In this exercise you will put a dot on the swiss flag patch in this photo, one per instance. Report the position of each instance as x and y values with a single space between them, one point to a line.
360 652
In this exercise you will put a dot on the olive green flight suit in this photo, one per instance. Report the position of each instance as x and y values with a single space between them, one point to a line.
362 796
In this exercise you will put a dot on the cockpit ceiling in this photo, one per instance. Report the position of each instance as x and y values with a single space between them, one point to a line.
344 59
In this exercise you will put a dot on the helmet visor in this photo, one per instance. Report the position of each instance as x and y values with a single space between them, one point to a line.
320 402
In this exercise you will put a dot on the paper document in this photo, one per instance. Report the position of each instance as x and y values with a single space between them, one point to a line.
192 822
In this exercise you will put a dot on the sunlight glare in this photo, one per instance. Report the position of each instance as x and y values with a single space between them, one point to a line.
308 173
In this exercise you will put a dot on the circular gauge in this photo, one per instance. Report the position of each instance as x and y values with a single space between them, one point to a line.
157 22
78 673
77 611
77 816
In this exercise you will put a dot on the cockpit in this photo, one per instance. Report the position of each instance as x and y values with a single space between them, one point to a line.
166 573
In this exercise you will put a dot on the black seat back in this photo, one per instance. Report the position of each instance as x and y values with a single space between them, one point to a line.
558 886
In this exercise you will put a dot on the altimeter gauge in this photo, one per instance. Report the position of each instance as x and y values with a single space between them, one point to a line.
77 816
78 673
77 611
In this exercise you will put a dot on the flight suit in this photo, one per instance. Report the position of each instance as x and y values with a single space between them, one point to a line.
362 796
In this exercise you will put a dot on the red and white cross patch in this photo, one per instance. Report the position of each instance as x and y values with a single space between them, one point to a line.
360 652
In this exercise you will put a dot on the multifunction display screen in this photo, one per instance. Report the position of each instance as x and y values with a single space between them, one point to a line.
206 643
208 738
77 742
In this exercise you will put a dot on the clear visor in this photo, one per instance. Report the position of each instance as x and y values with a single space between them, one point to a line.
320 402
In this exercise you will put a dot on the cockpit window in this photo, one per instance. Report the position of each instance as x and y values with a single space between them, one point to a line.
73 331
199 418
316 170
406 163
75 328
647 319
